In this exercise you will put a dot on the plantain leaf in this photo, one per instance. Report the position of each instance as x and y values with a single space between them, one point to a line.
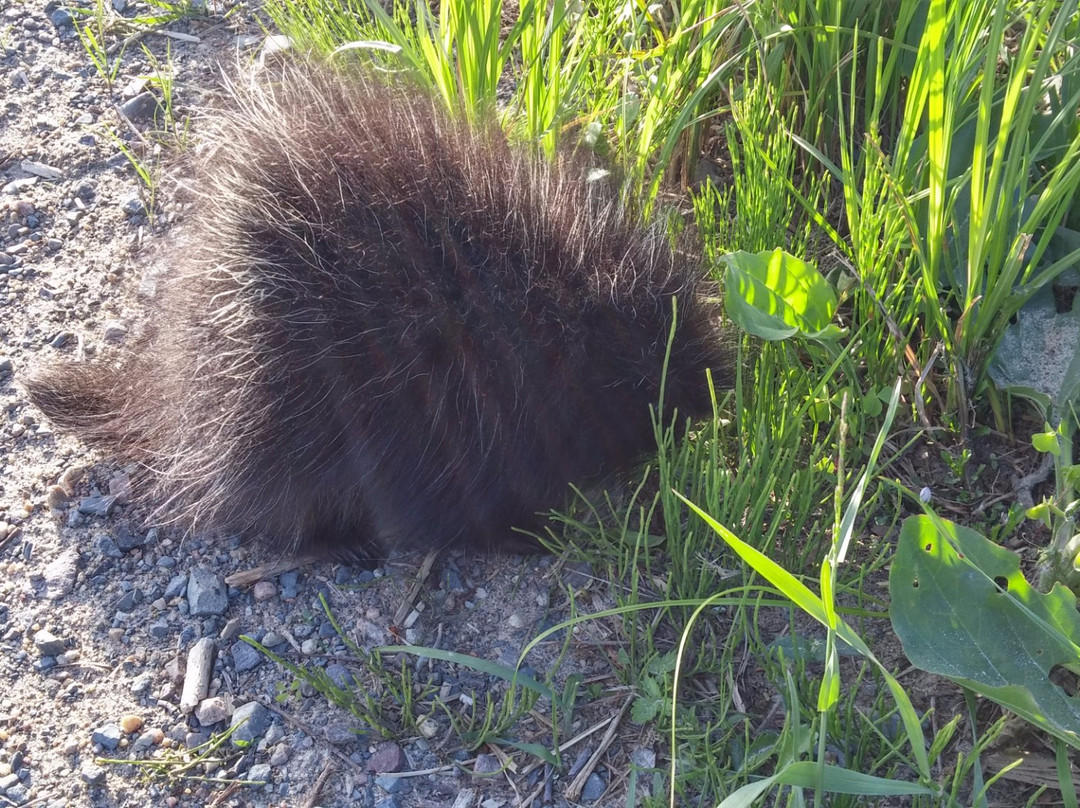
962 609
774 295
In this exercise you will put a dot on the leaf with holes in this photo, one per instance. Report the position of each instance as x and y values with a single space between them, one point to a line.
962 609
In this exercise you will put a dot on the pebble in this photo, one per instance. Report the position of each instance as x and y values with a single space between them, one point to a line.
131 723
515 620
60 574
245 657
206 593
46 172
212 710
387 757
176 587
340 675
232 629
260 773
340 733
594 788
144 105
107 736
133 206
250 722
96 505
114 331
61 18
6 365
392 785
263 591
280 755
486 764
47 643
19 185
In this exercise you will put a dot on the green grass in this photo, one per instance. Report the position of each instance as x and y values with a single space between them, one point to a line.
924 157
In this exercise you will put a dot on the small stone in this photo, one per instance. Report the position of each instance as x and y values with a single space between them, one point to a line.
387 757
129 600
47 643
391 785
232 629
486 764
60 340
144 105
206 593
61 18
594 788
20 185
96 505
263 591
340 675
176 587
46 172
212 710
107 736
115 331
108 547
245 657
127 539
260 773
339 733
6 365
515 620
428 727
249 722
131 723
280 755
92 774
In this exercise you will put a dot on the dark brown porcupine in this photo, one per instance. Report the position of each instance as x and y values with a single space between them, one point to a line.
389 331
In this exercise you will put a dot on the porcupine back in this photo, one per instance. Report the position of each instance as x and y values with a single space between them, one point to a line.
386 331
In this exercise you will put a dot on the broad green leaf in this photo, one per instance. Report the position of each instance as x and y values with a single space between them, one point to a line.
962 609
774 295
1046 442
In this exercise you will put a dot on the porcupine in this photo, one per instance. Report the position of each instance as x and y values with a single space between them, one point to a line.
389 331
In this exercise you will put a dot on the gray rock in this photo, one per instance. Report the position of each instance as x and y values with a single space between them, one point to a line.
206 593
6 365
176 587
97 505
144 105
47 643
133 206
594 788
18 794
127 539
388 757
251 721
107 736
486 764
61 18
232 629
115 331
340 733
643 757
212 710
340 675
392 785
92 774
60 574
260 772
245 657
129 600
108 547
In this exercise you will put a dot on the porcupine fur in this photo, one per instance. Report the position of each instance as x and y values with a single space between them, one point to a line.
388 331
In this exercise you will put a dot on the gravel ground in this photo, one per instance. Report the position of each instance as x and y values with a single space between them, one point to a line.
104 622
